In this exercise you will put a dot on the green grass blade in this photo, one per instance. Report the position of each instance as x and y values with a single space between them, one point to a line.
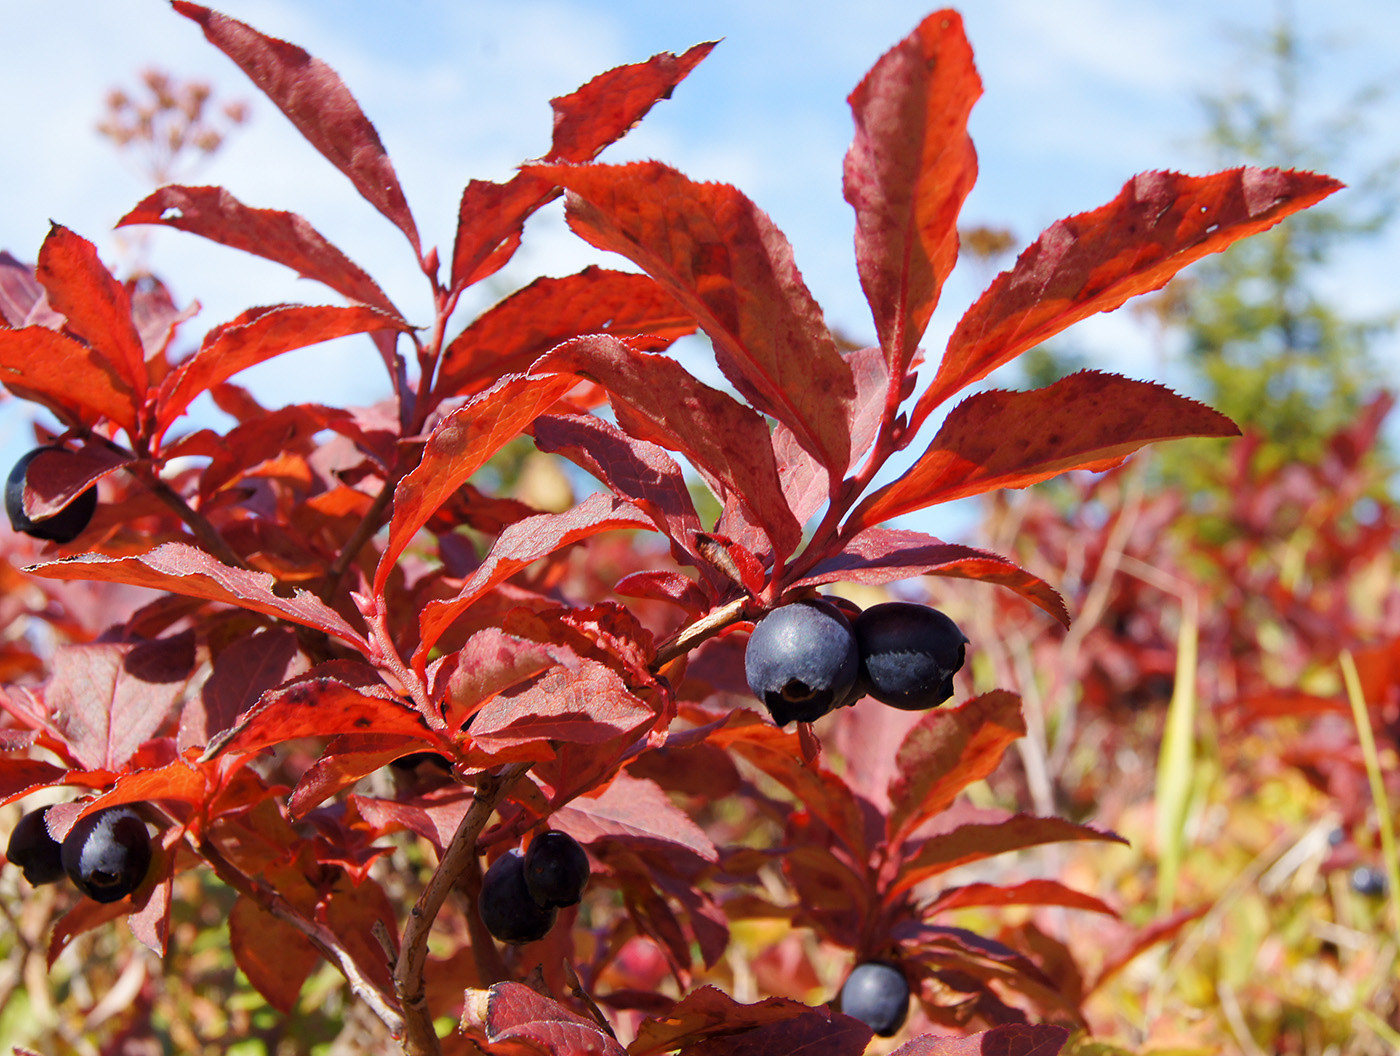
1177 762
1362 718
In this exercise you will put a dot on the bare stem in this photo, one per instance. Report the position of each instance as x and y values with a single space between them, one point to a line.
203 530
418 1037
369 524
687 638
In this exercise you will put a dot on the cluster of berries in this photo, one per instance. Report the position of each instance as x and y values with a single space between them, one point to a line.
521 894
808 658
61 527
106 854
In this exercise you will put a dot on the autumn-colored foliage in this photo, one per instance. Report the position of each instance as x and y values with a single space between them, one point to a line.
328 590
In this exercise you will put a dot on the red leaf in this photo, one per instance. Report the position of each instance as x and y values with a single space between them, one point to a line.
19 775
972 843
490 221
656 399
347 758
610 105
519 546
726 263
1011 1039
20 291
96 306
635 808
1029 893
817 1030
40 364
178 782
213 213
906 175
275 956
887 555
591 705
258 335
317 102
636 470
184 569
1093 262
999 439
1121 954
519 1021
55 478
321 703
490 662
108 698
513 334
241 674
704 1013
948 750
460 444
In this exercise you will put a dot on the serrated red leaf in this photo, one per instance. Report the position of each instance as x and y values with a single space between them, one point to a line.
489 662
726 263
183 569
178 781
518 330
55 478
635 808
436 817
321 703
817 1030
150 920
974 842
316 101
656 399
948 750
256 336
347 758
636 470
907 173
108 698
1011 1039
1093 262
887 555
275 956
704 1012
1029 893
20 291
241 674
512 1019
610 105
19 775
40 364
998 439
521 545
460 444
590 705
286 238
490 223
95 305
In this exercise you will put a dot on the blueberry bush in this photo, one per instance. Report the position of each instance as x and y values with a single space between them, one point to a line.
212 677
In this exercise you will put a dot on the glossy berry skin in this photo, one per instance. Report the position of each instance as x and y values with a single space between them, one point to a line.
34 850
556 869
908 654
64 526
107 854
801 661
877 994
506 908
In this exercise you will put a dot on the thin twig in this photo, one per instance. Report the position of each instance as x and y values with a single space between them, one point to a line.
203 530
709 625
419 1038
321 937
364 531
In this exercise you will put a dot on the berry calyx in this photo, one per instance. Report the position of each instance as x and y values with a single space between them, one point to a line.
505 905
107 854
908 654
62 527
801 661
556 869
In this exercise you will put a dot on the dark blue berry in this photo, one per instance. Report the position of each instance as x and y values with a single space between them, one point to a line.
1368 882
877 994
62 527
34 850
556 869
801 661
506 908
908 654
107 854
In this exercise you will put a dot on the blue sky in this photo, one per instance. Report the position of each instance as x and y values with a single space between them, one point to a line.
1080 94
